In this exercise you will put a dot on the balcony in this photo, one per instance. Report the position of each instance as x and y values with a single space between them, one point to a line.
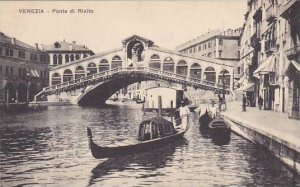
288 5
270 46
293 52
271 13
255 40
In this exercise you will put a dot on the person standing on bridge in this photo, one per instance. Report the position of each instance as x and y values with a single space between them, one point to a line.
220 102
184 113
244 103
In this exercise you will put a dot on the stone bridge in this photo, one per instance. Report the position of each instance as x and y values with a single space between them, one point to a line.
90 81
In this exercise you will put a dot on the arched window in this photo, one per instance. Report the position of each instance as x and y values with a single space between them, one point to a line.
79 72
72 58
67 58
77 56
104 65
116 62
195 71
182 68
210 74
85 55
168 65
55 79
59 59
91 69
224 77
155 62
68 75
54 60
10 87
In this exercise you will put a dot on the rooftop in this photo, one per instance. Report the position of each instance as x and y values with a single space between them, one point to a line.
65 46
203 37
13 41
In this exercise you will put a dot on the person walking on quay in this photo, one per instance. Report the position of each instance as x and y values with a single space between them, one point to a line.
220 102
244 103
184 113
260 102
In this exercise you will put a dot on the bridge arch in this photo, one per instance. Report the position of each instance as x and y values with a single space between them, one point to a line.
224 75
91 69
182 68
68 75
55 79
103 65
210 74
196 71
116 62
155 61
79 72
168 64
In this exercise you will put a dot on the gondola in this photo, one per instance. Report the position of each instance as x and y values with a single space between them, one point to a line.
205 119
153 133
139 101
218 128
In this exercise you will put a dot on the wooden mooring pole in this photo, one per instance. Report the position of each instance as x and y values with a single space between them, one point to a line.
159 106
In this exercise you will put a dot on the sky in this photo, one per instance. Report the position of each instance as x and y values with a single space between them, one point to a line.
166 23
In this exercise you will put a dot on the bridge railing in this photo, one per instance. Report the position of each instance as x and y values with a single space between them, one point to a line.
137 69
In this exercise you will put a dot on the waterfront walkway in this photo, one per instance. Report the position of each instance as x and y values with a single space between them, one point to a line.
273 124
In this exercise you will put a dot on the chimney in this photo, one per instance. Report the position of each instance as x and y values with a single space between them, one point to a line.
13 41
36 45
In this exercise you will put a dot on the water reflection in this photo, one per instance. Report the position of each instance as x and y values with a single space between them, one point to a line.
149 161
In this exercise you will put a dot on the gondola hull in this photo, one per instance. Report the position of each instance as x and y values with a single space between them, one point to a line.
139 147
218 128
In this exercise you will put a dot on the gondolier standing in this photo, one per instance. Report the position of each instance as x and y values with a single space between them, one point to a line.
184 113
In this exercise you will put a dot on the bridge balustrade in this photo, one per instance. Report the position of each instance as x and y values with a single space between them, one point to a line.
137 69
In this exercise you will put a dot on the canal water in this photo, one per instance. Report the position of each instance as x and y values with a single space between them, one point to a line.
49 147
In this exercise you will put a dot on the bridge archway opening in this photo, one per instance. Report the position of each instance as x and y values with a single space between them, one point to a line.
210 74
91 68
103 65
168 65
55 79
195 71
79 72
68 75
182 68
135 49
155 62
224 75
22 92
116 62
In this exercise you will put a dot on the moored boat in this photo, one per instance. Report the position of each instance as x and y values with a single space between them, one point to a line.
218 128
153 133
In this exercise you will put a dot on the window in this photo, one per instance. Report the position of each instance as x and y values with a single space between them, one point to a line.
239 42
20 55
199 48
238 54
11 52
220 53
34 57
11 71
6 51
31 56
220 42
20 72
1 51
209 45
204 46
0 69
191 51
6 70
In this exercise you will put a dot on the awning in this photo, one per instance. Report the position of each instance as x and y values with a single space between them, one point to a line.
32 73
266 67
247 87
242 79
292 65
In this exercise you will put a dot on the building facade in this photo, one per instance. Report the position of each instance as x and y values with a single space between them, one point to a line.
23 70
64 52
270 54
